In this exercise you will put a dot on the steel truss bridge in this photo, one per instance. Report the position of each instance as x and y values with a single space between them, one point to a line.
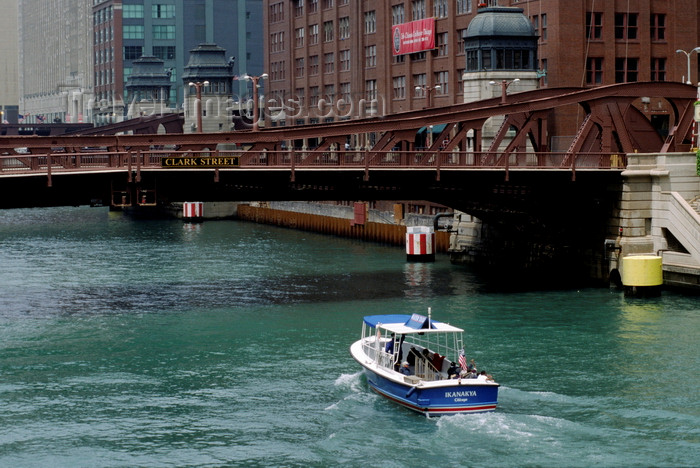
104 163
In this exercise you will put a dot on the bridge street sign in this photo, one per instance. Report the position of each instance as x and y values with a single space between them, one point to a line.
195 162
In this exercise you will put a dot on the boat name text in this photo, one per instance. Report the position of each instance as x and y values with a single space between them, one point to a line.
465 393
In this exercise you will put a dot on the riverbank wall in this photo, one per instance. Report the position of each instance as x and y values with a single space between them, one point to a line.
342 221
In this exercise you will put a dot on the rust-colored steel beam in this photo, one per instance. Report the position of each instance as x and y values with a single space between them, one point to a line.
605 125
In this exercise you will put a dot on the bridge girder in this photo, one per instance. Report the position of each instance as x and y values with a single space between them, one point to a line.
610 123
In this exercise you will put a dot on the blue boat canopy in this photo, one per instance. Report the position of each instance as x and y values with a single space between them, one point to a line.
403 323
374 320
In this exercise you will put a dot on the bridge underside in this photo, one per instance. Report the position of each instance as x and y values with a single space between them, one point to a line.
539 203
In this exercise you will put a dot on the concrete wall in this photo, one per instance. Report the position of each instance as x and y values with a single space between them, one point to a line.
658 214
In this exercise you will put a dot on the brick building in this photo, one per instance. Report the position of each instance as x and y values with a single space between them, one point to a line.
333 59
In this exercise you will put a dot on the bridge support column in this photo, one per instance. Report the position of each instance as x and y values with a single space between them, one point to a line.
656 215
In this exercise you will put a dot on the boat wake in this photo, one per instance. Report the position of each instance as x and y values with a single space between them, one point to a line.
352 383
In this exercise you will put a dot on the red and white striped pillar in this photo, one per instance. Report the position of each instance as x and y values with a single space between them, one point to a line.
420 244
192 211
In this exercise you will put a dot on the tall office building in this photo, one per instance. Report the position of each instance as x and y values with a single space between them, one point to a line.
125 30
55 59
9 85
399 55
76 55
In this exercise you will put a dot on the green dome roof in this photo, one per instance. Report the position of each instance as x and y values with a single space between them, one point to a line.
500 21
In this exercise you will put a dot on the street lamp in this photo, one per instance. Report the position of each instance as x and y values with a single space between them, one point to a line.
504 87
255 80
687 54
427 90
198 103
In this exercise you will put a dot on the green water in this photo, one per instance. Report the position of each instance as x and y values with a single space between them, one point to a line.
158 343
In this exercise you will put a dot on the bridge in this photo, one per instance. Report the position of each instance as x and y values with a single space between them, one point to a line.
517 185
107 164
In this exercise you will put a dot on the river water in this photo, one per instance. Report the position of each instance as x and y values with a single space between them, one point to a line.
158 343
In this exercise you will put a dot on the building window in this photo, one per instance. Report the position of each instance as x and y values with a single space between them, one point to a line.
132 11
300 97
594 25
626 70
472 60
328 31
133 31
658 69
460 81
132 52
463 6
299 37
461 35
543 29
329 62
594 71
163 31
419 82
345 92
442 79
277 42
371 90
440 8
163 11
344 60
164 52
313 34
313 65
313 96
299 67
626 26
277 12
370 22
398 14
399 87
442 42
329 93
327 4
344 28
371 56
313 6
417 10
298 8
658 28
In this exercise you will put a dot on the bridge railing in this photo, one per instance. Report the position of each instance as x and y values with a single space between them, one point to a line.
299 159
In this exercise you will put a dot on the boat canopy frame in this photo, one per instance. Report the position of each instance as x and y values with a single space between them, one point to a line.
439 337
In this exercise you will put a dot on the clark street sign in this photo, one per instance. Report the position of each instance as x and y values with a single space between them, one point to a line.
190 162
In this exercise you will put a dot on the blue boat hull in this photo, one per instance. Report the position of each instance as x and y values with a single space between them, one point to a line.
452 399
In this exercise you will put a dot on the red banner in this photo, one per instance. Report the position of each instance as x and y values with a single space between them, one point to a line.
415 36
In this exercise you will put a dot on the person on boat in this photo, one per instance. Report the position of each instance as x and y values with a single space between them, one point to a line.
453 371
405 370
389 348
483 376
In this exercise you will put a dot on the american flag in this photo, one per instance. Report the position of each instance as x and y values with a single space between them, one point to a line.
462 360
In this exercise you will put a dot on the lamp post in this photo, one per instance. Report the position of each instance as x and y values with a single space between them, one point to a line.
687 55
255 80
427 90
504 87
198 103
